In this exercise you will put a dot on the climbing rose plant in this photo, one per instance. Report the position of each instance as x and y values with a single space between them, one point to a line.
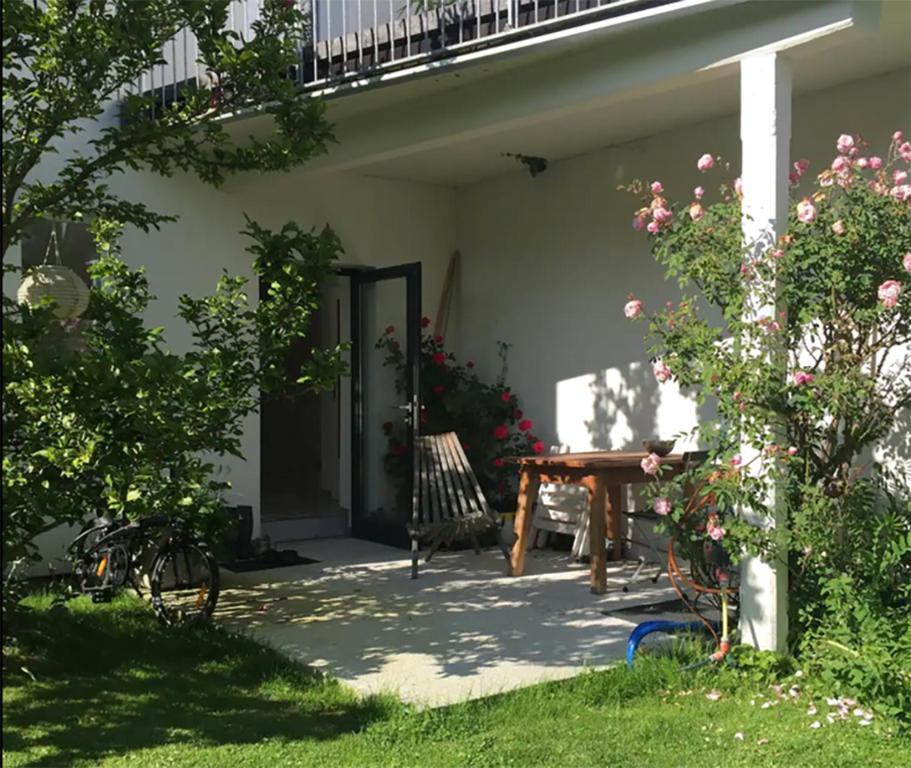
801 344
487 417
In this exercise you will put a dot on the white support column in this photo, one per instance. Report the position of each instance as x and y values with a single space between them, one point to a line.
765 133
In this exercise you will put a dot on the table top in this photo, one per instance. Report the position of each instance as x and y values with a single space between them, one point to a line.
593 460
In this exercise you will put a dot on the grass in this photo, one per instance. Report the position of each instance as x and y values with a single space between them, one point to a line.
112 688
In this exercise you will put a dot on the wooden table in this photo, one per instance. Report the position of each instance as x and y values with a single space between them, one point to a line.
603 473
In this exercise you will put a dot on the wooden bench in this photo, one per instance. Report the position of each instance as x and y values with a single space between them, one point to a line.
449 502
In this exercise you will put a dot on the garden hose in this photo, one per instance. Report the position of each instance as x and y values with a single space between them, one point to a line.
678 578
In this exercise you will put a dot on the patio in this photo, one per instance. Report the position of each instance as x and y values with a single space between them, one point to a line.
463 630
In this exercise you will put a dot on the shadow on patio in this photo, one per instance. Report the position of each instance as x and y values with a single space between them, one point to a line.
462 630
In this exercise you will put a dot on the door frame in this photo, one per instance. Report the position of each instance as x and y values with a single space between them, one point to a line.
359 278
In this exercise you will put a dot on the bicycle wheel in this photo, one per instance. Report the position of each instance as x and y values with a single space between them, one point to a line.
184 583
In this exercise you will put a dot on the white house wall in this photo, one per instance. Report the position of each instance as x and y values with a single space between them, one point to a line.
547 263
379 222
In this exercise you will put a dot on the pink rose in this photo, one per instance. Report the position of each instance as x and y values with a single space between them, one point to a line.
696 211
716 533
897 137
906 261
777 253
889 292
802 165
633 308
899 177
662 506
794 177
705 162
738 186
845 143
792 451
736 460
838 227
661 214
806 211
901 192
653 227
651 464
639 222
662 371
657 187
876 163
801 377
699 192
861 162
878 188
905 151
841 164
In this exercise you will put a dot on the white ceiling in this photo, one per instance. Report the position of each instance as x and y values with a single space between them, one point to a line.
840 57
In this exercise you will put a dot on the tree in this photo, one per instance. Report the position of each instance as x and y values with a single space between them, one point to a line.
66 61
104 418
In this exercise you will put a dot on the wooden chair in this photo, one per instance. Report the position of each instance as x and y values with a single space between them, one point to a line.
450 502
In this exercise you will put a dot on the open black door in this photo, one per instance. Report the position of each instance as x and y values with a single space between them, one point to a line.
382 487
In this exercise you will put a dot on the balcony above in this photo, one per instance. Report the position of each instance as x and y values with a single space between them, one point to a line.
350 40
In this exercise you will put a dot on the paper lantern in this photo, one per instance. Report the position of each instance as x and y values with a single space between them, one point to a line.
57 282
65 287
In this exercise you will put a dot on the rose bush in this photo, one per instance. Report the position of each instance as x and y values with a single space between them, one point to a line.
486 417
801 344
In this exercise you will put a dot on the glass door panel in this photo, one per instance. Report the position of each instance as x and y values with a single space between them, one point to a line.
386 315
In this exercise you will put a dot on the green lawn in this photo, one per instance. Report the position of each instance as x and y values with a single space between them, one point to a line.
112 688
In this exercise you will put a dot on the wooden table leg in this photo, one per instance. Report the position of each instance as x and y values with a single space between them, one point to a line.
614 520
596 533
528 494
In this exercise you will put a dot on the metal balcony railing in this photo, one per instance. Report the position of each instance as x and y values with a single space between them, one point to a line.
352 39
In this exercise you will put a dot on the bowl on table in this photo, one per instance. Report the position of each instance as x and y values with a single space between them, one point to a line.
660 447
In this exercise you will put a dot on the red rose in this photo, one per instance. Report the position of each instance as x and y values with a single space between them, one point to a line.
517 414
439 358
525 425
501 432
505 396
498 462
387 427
438 339
538 447
469 364
398 449
425 321
390 329
439 389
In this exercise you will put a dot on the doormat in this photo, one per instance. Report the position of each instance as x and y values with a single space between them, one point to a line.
667 606
268 560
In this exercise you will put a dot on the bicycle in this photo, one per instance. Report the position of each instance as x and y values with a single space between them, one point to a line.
183 578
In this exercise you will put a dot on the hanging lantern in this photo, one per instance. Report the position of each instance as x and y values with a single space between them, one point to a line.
57 282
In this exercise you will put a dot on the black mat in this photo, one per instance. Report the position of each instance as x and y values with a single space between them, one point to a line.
667 606
269 560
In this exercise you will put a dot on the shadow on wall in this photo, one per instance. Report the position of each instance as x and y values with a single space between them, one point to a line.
624 408
619 407
896 448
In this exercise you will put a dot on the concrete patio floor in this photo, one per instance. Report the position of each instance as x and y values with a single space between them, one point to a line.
462 630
